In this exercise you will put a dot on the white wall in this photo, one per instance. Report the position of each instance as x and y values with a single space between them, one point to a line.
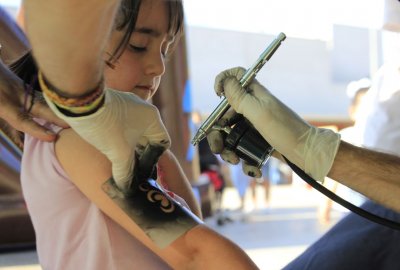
309 75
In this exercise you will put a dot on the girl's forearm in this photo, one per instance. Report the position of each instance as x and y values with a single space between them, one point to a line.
209 250
177 182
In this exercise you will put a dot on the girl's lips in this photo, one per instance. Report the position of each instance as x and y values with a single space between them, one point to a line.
142 87
144 92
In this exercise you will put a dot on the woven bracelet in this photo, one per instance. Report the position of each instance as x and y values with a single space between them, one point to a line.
76 105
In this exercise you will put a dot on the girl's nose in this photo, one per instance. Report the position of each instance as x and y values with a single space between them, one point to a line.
155 64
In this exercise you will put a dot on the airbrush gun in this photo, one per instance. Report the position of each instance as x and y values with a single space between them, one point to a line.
249 145
242 138
244 81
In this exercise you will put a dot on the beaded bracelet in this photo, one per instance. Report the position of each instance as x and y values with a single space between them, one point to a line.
79 105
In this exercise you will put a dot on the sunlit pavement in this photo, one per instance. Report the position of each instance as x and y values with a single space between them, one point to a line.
24 260
272 235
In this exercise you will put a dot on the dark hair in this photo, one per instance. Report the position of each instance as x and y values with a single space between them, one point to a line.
26 68
127 16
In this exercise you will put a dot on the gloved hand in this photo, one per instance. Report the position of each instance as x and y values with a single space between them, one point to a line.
311 149
216 141
124 122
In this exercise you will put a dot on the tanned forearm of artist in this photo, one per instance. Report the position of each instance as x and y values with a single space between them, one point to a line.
68 38
374 174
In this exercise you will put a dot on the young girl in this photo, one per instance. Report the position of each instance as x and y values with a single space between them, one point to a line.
77 225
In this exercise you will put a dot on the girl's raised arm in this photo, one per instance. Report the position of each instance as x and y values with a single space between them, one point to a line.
68 38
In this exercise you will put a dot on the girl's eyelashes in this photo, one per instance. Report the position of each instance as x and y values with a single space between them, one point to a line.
144 49
137 48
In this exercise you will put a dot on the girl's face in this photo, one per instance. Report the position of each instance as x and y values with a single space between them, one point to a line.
139 68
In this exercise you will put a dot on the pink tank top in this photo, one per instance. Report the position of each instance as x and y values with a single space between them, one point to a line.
71 232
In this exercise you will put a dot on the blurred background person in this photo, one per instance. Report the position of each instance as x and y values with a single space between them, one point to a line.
265 182
211 171
241 183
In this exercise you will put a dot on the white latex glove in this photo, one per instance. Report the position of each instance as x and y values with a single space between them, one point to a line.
311 149
124 122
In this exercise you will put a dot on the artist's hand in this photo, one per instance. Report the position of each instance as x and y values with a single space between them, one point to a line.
310 148
124 122
216 140
14 119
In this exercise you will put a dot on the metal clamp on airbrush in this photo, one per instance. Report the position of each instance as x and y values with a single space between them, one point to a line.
242 138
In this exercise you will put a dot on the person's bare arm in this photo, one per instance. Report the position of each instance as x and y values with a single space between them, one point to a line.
12 116
15 118
374 174
68 38
196 249
177 182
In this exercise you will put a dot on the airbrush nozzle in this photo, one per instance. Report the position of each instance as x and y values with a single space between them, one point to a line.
244 81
